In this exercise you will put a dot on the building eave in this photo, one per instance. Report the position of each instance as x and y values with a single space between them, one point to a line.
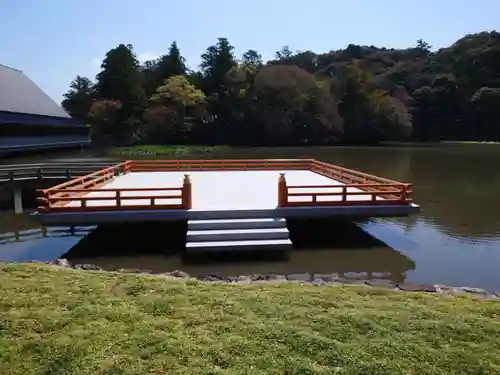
34 119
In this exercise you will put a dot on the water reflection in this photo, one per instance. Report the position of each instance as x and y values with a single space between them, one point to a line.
22 240
43 232
454 240
345 249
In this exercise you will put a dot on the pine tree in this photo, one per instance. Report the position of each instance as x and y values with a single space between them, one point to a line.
169 65
121 81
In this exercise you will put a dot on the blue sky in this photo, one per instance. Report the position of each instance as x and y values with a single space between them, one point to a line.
54 40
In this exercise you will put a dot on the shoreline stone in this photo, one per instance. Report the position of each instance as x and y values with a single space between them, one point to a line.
385 284
318 279
410 287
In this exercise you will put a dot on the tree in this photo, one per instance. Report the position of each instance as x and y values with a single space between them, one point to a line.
289 106
370 115
393 122
149 76
437 111
215 63
424 46
356 106
175 108
120 80
370 93
104 118
284 53
486 112
168 65
78 100
173 63
253 58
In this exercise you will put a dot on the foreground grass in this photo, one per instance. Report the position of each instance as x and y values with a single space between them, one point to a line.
58 321
165 150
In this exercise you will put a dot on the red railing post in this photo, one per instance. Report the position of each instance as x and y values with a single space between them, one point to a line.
404 193
282 191
44 202
128 167
187 198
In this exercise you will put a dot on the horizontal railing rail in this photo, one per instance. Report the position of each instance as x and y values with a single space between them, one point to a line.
88 191
116 198
217 165
360 193
40 171
347 175
93 178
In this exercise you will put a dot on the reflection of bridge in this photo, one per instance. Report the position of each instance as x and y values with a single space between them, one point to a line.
380 263
38 233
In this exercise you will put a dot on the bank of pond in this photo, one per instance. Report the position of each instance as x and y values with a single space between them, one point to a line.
66 320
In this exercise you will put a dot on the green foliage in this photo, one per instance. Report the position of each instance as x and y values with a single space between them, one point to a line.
121 80
155 72
58 321
289 106
78 100
215 63
104 116
358 95
164 150
486 112
173 109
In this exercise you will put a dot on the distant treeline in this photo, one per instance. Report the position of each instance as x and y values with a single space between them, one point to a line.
358 95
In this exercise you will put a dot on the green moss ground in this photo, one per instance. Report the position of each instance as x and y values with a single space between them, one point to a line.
60 321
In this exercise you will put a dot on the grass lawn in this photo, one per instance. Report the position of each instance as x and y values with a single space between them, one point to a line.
59 321
166 150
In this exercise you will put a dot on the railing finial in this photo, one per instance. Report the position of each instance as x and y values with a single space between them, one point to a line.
187 195
282 190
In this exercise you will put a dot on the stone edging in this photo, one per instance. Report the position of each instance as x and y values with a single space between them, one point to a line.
310 278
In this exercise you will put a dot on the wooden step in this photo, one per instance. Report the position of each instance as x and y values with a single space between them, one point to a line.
237 234
236 223
249 245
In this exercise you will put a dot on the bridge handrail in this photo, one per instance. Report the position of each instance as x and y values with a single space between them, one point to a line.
378 190
216 165
356 184
62 165
77 190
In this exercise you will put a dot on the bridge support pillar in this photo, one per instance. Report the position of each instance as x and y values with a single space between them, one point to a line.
18 201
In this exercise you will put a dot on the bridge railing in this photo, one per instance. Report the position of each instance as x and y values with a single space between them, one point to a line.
350 194
40 171
88 193
68 200
357 188
217 165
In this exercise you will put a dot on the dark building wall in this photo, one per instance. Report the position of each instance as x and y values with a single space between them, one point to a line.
31 119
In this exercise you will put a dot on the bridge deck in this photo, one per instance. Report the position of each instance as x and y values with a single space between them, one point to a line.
214 189
221 190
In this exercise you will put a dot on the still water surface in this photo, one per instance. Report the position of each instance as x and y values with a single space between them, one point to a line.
455 240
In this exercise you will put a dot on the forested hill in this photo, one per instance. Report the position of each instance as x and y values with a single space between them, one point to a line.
357 95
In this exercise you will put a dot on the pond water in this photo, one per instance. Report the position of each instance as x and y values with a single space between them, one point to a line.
454 240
